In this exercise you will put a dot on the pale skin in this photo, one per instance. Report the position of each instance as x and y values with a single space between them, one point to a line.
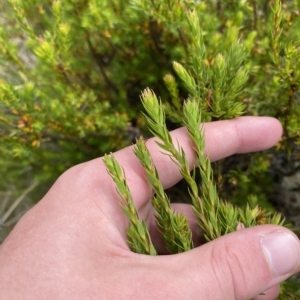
72 244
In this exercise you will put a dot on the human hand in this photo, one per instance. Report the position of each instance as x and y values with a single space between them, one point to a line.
72 244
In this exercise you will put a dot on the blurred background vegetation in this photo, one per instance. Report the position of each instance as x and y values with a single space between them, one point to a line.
71 74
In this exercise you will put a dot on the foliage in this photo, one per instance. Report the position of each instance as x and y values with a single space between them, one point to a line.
138 236
71 73
173 227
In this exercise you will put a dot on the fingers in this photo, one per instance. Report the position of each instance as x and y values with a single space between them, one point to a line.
240 265
93 188
223 138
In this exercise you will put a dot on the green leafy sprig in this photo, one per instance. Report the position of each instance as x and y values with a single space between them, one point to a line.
138 235
173 227
276 32
214 217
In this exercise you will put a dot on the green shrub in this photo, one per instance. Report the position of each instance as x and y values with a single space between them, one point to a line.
72 72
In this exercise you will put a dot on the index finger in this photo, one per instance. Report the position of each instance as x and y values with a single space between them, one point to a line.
223 138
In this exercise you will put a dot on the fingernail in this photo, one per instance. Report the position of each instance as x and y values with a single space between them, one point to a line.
282 252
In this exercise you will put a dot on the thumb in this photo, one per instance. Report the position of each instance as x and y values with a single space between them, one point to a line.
243 264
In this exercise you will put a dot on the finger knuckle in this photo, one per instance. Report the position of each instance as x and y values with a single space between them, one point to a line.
228 269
